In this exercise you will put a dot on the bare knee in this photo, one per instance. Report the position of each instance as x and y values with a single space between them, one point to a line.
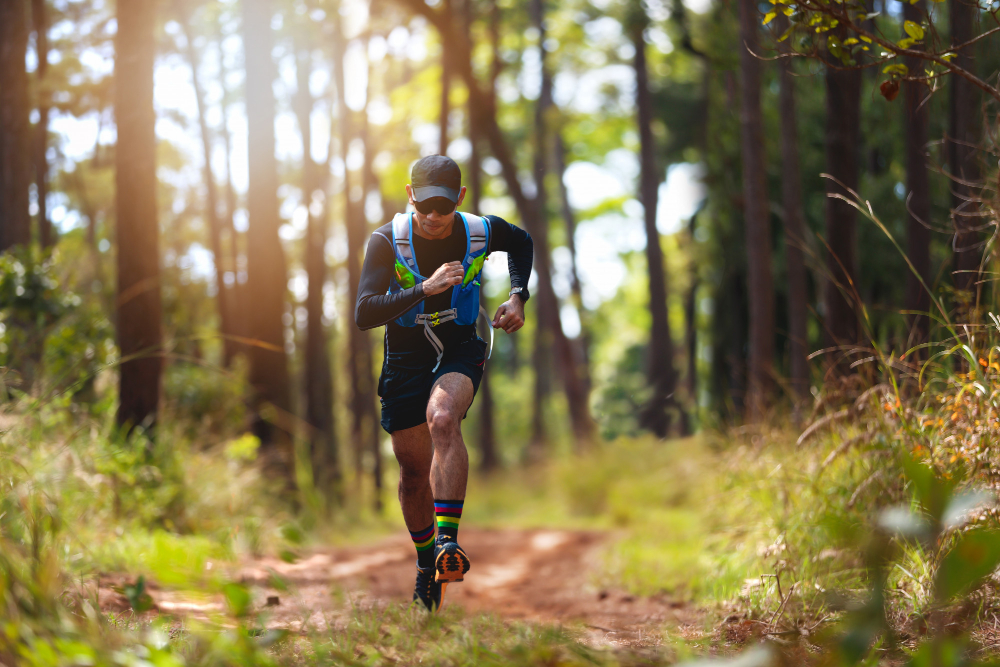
443 423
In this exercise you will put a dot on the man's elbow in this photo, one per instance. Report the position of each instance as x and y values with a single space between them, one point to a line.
360 317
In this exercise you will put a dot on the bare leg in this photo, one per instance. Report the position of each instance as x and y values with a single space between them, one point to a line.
450 399
413 450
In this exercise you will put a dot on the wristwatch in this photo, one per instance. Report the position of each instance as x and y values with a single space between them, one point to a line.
520 291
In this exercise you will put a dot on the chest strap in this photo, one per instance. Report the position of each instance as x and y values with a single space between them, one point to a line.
430 320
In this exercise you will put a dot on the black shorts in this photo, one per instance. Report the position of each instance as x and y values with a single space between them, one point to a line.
407 379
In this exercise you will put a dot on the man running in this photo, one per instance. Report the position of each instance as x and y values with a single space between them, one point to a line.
421 280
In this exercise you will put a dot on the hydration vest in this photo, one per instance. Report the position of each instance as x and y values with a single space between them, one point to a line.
465 307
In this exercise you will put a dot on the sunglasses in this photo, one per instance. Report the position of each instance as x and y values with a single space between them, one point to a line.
442 205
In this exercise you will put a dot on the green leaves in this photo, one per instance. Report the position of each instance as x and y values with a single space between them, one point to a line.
914 30
975 556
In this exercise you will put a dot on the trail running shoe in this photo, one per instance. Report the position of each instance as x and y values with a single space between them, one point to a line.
427 590
450 560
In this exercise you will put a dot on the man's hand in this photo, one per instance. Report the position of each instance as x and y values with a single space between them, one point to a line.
510 315
447 275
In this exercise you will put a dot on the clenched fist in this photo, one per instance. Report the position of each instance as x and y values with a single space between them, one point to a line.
447 275
510 315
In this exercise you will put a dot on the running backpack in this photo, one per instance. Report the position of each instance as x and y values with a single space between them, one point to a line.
464 297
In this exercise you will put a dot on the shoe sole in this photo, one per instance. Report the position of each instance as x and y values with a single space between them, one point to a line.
451 565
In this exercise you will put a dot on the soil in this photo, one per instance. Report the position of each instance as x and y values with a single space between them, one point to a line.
541 576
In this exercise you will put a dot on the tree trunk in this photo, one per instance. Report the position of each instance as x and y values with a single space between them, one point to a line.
138 294
791 191
318 374
15 132
362 386
757 221
539 228
843 118
551 342
963 142
445 87
581 350
265 256
41 19
691 334
656 415
212 216
918 201
488 458
232 264
373 431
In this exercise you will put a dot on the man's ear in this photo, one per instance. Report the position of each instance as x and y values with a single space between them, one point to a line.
461 196
409 193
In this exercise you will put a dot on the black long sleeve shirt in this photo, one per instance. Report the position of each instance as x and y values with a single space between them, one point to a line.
375 306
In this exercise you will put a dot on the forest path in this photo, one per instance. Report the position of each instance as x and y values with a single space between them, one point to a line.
543 576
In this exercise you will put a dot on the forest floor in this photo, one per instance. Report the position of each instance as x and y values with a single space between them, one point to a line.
536 576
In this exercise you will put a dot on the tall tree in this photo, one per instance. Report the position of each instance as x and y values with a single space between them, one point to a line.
963 140
238 317
918 200
40 16
794 219
760 283
212 214
843 120
445 88
581 351
370 185
549 334
318 374
15 151
265 256
488 458
363 423
539 228
662 377
138 293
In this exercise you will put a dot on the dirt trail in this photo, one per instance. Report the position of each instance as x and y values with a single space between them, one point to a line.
534 575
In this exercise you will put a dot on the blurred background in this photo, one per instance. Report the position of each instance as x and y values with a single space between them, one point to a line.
761 308
189 187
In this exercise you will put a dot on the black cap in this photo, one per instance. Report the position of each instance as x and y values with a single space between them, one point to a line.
435 176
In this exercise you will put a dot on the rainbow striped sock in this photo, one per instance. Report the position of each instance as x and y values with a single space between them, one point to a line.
423 540
449 514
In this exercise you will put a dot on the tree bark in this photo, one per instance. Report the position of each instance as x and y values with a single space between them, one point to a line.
15 133
918 201
656 415
581 351
550 340
843 118
963 141
212 216
267 280
488 458
232 265
39 12
445 87
791 191
362 386
539 228
760 282
138 257
691 334
373 431
318 374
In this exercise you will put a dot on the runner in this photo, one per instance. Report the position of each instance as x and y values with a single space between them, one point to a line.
434 360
